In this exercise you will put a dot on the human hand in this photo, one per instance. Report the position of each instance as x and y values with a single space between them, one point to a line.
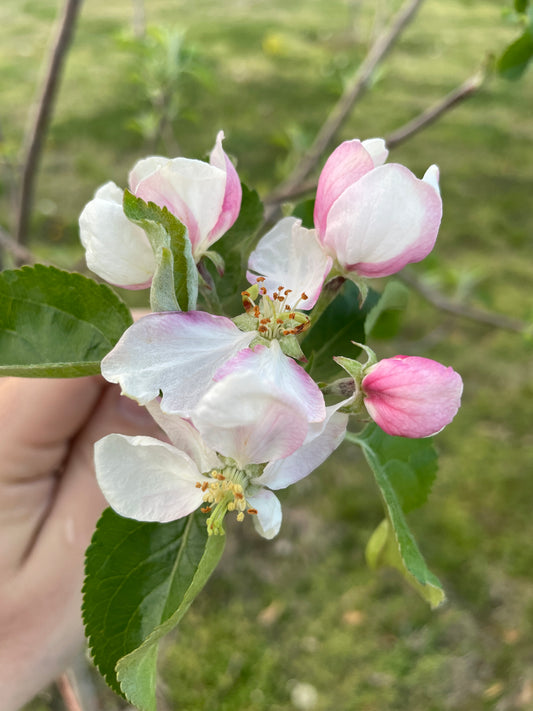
49 505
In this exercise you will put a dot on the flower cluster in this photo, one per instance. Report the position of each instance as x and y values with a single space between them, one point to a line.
241 417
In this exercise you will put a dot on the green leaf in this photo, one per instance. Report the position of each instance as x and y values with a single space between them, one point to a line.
521 5
56 324
175 282
234 248
383 320
515 60
341 323
404 471
140 580
305 212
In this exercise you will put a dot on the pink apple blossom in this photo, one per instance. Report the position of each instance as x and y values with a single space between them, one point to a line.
246 438
205 197
180 353
373 219
410 396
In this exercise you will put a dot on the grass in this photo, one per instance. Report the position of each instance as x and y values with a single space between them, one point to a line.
304 609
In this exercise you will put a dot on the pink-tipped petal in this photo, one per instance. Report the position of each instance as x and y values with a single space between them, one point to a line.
345 166
386 220
276 370
243 417
290 255
177 353
431 176
145 479
322 439
231 205
115 248
267 522
377 149
409 396
144 168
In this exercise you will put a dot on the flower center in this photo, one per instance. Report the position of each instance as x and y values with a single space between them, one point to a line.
276 317
227 492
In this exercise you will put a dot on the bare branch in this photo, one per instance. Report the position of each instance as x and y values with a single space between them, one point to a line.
431 114
69 696
441 302
352 93
36 134
20 253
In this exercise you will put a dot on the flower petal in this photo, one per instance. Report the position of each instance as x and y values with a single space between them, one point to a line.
292 256
409 396
384 221
346 165
276 370
267 522
145 479
143 168
185 437
244 417
176 353
116 249
377 149
322 439
231 205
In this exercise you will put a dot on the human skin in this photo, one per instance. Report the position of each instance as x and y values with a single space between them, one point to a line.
49 505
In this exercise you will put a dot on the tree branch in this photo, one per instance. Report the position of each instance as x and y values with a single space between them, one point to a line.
20 253
352 93
431 114
469 87
36 134
441 302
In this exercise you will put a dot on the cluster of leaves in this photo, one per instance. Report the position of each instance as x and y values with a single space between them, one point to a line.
142 577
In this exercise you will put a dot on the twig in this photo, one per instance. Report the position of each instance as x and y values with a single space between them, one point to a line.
419 123
35 136
21 254
68 694
352 93
431 114
441 302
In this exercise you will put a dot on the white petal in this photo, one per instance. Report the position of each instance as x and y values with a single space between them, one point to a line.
377 149
322 439
145 479
431 176
185 437
291 255
250 421
143 168
116 249
267 522
177 353
275 370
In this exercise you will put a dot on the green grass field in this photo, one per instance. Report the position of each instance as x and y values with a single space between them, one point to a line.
304 610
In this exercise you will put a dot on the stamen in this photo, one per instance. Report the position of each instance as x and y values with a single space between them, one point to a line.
260 279
252 511
206 509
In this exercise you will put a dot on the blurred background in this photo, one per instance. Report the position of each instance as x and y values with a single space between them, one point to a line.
300 622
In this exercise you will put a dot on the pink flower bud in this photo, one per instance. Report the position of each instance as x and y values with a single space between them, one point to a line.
409 396
373 218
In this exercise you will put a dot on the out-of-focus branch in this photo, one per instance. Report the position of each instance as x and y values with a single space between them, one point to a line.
36 134
469 87
352 93
441 302
20 253
431 114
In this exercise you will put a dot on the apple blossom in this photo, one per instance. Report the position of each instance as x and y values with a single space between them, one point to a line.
410 396
246 438
373 219
179 354
205 197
